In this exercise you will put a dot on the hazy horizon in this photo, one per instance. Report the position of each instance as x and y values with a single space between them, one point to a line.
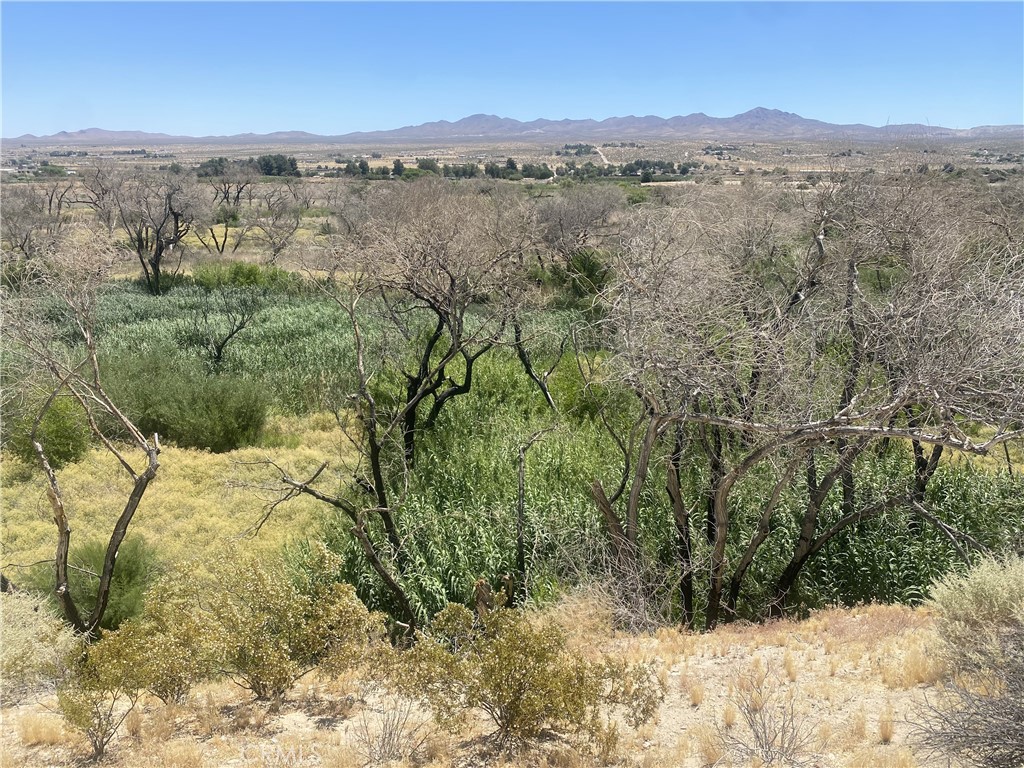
208 69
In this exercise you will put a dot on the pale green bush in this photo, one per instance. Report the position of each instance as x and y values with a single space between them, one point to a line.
974 605
519 671
35 645
980 622
273 626
177 636
102 687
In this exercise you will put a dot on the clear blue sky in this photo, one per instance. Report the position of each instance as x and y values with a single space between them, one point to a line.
330 68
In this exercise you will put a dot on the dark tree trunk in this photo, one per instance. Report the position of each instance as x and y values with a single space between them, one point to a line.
681 515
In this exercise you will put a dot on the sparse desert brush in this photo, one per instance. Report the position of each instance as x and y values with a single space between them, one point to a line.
180 753
676 752
990 595
824 736
102 687
882 757
674 643
35 645
710 747
858 726
696 691
519 672
396 732
850 631
161 725
274 626
980 623
789 663
584 615
919 663
729 715
208 716
777 731
133 725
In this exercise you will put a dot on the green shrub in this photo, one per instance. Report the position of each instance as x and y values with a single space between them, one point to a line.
177 634
273 626
519 671
180 402
636 196
980 622
63 432
103 686
239 274
974 607
136 567
34 645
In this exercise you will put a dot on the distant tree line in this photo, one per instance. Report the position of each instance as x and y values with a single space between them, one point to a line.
265 165
576 150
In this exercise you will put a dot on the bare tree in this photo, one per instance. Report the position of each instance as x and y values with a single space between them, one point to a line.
579 217
426 293
234 187
888 323
34 214
99 184
156 211
217 315
222 228
222 224
303 193
72 272
275 220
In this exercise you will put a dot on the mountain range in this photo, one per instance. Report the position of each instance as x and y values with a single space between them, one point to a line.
759 123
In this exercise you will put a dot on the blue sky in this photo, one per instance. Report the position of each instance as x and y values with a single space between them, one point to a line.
220 68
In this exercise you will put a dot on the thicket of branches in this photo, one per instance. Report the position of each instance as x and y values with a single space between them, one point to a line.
729 403
762 372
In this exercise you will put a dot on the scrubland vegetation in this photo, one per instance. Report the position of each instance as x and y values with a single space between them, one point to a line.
452 472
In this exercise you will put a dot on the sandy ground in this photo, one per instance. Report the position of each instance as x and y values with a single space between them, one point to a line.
846 686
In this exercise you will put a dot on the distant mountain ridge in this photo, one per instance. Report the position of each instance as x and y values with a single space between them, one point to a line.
758 123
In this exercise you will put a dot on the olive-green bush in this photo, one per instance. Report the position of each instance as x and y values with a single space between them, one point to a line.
136 567
518 669
176 399
273 626
63 432
980 623
180 651
102 687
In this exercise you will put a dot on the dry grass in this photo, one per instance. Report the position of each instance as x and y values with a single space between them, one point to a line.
180 753
729 715
858 726
584 615
847 674
41 729
916 663
886 725
711 749
789 663
192 517
696 691
882 757
844 713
